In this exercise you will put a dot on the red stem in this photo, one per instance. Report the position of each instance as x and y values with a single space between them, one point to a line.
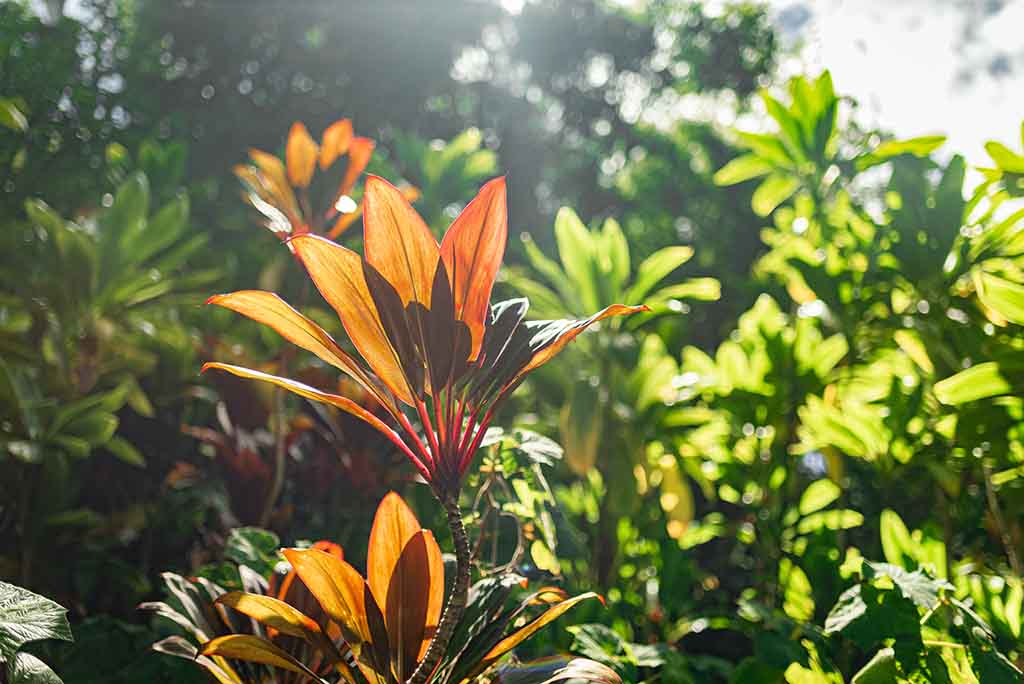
428 427
411 431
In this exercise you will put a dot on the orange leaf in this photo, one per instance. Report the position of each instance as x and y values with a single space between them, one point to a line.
276 182
435 565
550 351
335 142
255 650
300 152
335 400
394 525
275 614
269 309
337 586
409 600
359 152
338 274
397 242
472 250
531 628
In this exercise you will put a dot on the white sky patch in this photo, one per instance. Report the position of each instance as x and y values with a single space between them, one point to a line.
906 62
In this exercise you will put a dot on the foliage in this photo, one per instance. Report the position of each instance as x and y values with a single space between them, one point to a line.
322 616
26 617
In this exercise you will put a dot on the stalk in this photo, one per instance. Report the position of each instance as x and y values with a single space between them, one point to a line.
456 605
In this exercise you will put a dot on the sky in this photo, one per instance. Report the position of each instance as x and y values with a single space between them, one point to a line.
919 66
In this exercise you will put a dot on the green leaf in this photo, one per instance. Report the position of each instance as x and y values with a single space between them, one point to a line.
977 382
253 547
881 669
27 669
918 147
1004 296
124 451
26 616
773 191
613 257
576 250
11 117
655 268
743 168
818 495
1004 157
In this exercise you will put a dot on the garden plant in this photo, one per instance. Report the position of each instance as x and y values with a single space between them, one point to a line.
568 342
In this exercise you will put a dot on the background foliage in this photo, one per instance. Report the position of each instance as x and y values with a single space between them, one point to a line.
804 465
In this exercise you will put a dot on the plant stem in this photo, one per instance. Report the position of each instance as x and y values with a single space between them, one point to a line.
456 601
997 518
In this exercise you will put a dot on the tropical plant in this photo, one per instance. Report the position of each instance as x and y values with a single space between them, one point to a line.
76 363
27 617
292 197
323 620
420 315
610 396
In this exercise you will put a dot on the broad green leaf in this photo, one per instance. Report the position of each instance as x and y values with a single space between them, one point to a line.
918 147
743 168
1007 159
613 258
881 669
818 495
576 249
773 191
27 669
26 616
896 540
977 382
655 268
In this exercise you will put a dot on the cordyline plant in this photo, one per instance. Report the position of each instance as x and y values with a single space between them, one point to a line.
419 313
323 620
293 197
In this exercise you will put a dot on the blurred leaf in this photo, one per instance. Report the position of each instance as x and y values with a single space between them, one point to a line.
772 192
741 169
918 147
818 495
977 382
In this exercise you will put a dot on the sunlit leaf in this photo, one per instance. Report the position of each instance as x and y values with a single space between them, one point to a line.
336 585
977 382
818 495
472 250
301 153
335 142
255 650
918 147
338 274
772 192
743 168
398 243
269 309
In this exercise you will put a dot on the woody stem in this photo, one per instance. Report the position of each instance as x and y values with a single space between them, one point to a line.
456 605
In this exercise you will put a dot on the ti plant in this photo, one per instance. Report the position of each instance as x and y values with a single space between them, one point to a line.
293 198
323 620
419 314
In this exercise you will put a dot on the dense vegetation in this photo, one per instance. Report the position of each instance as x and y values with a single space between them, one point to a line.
802 463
